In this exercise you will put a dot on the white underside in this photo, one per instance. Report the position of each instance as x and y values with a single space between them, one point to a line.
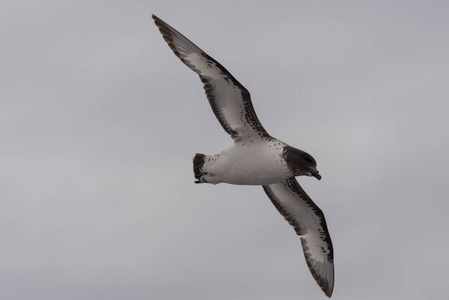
257 162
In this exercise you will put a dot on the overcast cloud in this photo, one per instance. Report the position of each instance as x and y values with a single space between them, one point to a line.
100 121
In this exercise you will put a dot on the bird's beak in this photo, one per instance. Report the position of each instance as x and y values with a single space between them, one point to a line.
315 173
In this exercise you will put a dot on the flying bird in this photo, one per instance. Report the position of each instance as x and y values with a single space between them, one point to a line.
257 158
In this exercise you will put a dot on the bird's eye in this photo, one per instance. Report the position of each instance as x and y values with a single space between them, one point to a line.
308 158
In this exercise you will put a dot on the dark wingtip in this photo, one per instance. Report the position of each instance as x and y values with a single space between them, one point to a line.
328 292
157 20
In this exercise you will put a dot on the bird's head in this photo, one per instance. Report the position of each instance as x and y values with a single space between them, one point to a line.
300 162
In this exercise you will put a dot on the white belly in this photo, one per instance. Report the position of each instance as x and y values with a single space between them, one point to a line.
257 163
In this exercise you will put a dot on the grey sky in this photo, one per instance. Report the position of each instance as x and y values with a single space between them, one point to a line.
100 121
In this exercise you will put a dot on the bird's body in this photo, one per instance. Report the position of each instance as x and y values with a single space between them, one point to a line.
256 158
256 162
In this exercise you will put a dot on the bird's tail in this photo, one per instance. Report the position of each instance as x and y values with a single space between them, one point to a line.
198 163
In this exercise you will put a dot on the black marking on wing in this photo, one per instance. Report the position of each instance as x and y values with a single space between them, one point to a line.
230 101
308 221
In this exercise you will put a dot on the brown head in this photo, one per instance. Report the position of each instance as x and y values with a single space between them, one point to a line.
300 162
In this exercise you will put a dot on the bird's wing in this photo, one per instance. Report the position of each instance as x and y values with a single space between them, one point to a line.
230 101
308 221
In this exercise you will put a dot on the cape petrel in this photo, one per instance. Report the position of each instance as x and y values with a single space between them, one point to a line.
256 158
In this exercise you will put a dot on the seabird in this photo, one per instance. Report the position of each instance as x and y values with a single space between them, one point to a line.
257 158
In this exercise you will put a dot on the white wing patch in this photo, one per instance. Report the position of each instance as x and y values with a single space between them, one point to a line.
308 221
